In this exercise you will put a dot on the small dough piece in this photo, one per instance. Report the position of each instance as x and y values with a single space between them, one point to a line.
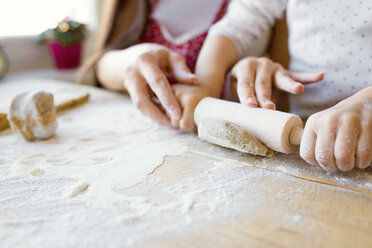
72 102
4 123
33 114
230 135
65 101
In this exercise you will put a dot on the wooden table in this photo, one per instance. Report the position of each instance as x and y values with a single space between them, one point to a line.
203 196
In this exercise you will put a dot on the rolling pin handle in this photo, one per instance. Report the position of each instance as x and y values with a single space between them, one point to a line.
295 135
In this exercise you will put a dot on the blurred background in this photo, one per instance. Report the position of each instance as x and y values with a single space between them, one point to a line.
26 50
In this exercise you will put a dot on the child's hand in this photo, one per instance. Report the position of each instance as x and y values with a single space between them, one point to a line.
256 76
189 96
340 137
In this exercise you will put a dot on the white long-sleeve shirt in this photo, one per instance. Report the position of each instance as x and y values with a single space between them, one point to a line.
333 36
182 20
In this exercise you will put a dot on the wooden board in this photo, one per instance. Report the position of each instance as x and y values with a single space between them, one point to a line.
318 215
206 197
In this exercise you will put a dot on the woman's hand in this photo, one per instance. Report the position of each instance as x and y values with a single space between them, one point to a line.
143 71
256 77
189 96
340 137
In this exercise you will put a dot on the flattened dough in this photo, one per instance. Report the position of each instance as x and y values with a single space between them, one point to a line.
230 135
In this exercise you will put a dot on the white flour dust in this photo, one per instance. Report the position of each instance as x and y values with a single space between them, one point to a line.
79 187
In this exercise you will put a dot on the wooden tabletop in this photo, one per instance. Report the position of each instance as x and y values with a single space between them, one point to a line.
202 196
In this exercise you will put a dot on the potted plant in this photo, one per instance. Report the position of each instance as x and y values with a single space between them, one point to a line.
65 42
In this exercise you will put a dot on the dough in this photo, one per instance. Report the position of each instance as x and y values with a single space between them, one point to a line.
4 123
33 114
66 100
230 135
70 103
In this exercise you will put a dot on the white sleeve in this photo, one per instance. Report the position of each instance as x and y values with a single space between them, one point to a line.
248 23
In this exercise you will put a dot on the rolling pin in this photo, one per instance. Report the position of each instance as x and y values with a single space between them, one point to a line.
277 130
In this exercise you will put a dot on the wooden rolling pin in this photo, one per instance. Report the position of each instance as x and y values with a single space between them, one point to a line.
277 130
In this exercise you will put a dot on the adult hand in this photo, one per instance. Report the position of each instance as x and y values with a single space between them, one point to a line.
256 77
142 70
146 77
340 137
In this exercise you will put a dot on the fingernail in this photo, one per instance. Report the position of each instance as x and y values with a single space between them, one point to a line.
269 104
175 112
251 100
192 76
299 88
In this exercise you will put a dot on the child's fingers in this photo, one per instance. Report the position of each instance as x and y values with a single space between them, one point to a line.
263 86
307 78
324 149
345 144
141 98
187 120
284 82
364 147
160 85
245 84
180 70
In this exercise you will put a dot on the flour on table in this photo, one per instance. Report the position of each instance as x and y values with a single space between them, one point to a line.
74 189
101 144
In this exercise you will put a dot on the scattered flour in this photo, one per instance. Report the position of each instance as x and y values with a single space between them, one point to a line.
37 172
76 189
75 184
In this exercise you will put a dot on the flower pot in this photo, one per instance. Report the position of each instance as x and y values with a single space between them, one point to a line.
66 57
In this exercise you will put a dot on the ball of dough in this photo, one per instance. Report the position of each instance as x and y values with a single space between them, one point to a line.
33 114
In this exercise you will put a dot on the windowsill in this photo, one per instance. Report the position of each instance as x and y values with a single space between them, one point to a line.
64 75
25 55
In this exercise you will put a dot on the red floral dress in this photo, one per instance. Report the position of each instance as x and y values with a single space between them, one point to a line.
189 49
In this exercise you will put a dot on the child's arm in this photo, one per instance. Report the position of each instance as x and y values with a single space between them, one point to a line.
340 137
242 31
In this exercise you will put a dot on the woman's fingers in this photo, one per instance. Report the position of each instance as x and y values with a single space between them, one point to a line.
159 84
180 70
307 78
324 149
364 147
141 98
263 83
346 143
245 75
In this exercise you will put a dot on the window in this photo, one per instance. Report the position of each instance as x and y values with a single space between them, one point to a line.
30 17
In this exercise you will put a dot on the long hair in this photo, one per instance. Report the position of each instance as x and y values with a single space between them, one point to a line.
133 34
